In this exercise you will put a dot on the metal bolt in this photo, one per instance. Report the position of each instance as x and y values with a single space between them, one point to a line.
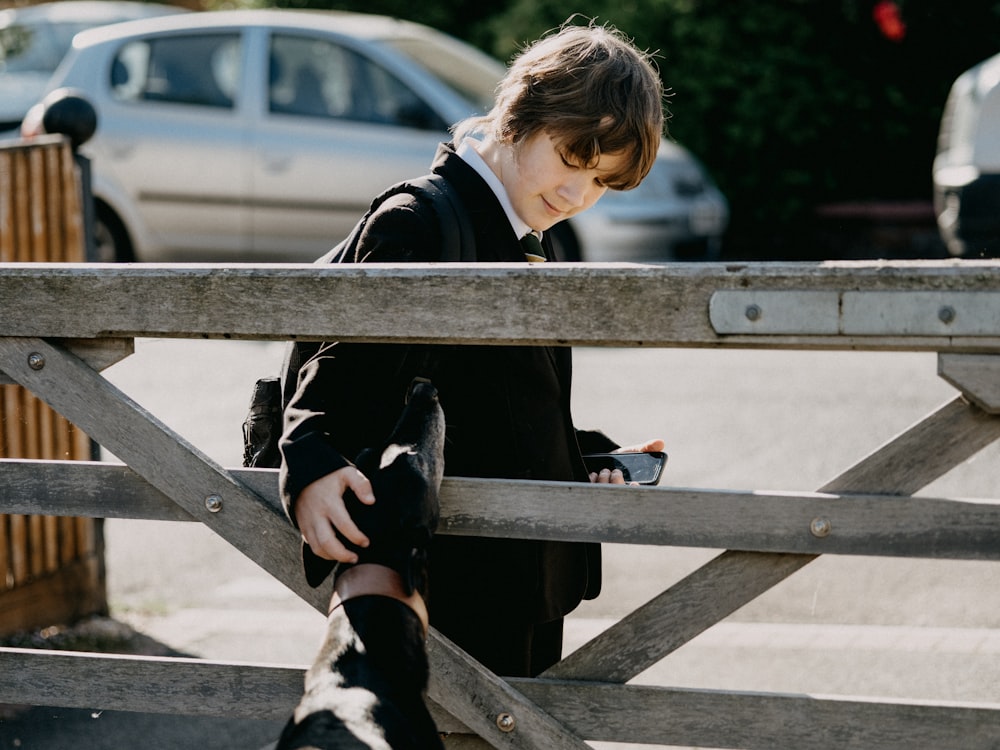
820 527
946 314
213 503
753 312
506 722
36 361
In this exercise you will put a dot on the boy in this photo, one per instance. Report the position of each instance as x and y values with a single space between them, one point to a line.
578 112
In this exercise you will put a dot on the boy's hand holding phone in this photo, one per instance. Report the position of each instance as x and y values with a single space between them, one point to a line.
639 464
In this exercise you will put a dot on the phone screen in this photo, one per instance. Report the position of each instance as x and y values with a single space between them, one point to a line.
642 468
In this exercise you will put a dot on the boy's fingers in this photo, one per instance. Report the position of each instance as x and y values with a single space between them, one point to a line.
361 487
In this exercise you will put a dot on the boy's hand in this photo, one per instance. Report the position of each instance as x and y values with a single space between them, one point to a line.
615 476
320 512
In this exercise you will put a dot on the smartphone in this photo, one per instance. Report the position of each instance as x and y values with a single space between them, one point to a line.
642 468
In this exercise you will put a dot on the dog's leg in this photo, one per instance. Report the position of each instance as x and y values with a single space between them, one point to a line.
366 688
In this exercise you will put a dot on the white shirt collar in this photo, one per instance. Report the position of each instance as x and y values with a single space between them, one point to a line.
468 153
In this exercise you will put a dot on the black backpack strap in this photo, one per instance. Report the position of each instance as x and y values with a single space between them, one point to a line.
458 241
458 245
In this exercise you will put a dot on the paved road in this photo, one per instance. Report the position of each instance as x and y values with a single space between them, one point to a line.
747 420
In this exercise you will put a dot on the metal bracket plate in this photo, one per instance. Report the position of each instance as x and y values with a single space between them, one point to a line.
855 313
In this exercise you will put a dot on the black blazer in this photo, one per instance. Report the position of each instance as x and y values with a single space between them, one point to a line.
507 411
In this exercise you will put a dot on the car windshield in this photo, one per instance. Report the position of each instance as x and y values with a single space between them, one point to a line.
473 79
36 48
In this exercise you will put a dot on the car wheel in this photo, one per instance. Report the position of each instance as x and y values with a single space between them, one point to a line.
564 242
111 240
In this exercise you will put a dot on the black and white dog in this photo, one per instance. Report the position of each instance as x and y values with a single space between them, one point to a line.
365 691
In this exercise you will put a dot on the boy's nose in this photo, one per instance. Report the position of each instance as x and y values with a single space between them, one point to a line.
574 192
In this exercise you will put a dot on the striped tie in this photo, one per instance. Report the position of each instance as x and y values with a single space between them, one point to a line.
532 247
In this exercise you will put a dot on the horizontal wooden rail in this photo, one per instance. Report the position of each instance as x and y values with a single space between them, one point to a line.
170 685
598 711
809 522
796 305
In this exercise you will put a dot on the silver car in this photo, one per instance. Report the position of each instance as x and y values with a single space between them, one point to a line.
263 135
34 38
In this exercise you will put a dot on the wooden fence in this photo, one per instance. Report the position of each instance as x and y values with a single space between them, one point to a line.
51 569
62 323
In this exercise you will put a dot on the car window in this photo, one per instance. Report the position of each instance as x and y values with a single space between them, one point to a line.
37 47
471 77
318 78
200 69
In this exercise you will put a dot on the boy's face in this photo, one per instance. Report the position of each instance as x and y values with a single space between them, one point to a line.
546 185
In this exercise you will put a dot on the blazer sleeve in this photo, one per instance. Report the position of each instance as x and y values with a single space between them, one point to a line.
594 441
343 400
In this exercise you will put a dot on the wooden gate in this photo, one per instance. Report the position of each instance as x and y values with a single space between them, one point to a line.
51 569
953 308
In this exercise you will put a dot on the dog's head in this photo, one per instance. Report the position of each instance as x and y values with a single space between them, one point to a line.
406 475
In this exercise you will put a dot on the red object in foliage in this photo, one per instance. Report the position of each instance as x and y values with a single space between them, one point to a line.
886 15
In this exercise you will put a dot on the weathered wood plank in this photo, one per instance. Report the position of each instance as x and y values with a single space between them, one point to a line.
464 742
456 679
760 721
855 524
977 376
6 572
98 353
192 687
443 302
36 206
36 547
22 227
903 465
7 213
875 525
19 549
600 712
83 489
55 219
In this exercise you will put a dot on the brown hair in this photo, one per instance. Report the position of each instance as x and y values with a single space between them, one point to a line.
591 90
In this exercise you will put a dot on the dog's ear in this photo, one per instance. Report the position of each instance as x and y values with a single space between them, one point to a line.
316 568
367 462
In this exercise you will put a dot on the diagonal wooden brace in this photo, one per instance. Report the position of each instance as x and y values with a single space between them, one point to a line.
977 376
908 462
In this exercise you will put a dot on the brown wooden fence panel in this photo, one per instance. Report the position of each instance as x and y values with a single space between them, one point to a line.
50 567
